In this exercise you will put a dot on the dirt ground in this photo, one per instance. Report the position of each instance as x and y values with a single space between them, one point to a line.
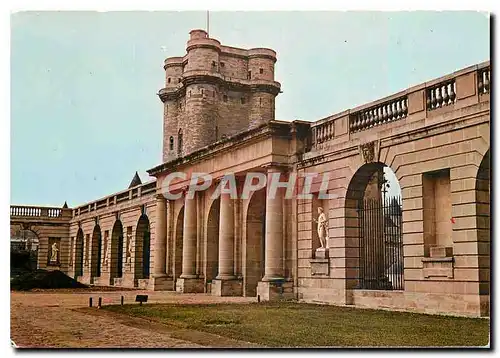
62 319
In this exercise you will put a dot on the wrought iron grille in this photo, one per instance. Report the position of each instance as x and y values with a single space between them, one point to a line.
381 244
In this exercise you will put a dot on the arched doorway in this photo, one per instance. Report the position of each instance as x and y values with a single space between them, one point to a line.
79 253
95 270
179 233
483 222
213 241
255 242
116 269
24 248
142 248
373 229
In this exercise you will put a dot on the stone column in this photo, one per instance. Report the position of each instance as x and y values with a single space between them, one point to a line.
226 283
161 231
189 239
159 279
273 285
274 233
226 238
188 281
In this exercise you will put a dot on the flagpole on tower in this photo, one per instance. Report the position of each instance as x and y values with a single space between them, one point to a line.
208 24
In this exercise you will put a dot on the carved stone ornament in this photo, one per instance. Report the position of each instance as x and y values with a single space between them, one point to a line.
368 152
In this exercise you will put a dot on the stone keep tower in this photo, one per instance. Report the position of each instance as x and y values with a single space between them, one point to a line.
215 91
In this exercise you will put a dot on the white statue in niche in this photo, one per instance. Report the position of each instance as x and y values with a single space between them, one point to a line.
322 228
54 252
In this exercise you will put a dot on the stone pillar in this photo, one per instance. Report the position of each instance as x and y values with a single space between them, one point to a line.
189 281
226 238
273 285
226 284
159 280
274 233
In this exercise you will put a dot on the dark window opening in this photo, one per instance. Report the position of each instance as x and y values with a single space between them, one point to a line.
249 75
178 80
179 142
202 92
171 146
222 64
168 80
261 71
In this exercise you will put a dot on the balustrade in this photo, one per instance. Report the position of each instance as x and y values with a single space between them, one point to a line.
31 211
145 189
441 95
324 131
386 112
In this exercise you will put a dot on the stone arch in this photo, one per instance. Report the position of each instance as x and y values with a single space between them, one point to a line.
178 243
96 252
116 269
483 222
373 227
25 239
79 253
255 229
212 232
142 248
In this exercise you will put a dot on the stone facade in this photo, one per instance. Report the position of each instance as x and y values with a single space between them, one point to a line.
435 137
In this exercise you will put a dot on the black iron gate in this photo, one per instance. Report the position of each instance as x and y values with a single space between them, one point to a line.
381 244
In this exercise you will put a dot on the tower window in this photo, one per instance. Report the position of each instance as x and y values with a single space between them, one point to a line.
224 98
243 100
261 71
179 141
222 64
213 63
202 91
249 75
189 93
178 80
171 143
168 80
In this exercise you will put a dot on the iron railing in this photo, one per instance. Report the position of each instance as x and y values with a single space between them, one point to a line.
381 244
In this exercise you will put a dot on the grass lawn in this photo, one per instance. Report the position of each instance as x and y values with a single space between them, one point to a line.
306 325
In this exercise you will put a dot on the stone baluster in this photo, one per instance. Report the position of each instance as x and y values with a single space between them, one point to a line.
445 95
453 94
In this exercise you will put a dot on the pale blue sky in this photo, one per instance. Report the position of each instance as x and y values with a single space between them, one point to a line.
85 115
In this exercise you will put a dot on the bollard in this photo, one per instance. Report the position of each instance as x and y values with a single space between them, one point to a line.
99 302
122 300
90 301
